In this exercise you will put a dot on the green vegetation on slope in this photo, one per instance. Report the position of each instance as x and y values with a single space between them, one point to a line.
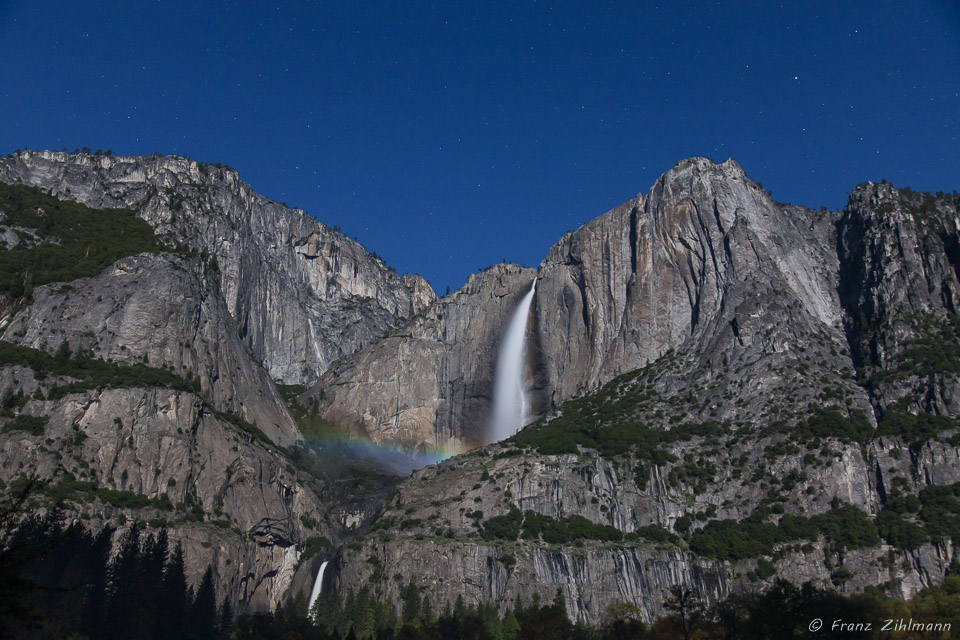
246 427
934 350
826 422
89 372
906 523
79 491
69 240
915 429
845 525
311 425
940 512
605 421
531 525
92 373
29 424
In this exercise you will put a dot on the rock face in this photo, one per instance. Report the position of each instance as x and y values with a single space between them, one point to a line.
164 444
253 291
805 360
429 382
677 265
707 260
300 293
164 311
700 356
900 263
445 554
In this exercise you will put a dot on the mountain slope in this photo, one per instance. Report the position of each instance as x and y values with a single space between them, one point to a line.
729 389
300 293
139 388
706 260
780 403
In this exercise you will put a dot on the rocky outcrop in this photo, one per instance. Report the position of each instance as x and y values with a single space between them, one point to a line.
900 262
681 264
164 311
699 355
706 263
429 383
589 578
786 336
301 294
230 501
431 533
248 290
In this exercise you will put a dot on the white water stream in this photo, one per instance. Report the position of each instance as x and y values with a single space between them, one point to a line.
510 407
317 586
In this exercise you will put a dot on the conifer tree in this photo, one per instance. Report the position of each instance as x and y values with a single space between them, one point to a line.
224 617
173 597
93 621
122 590
411 602
426 611
510 628
559 603
204 610
518 607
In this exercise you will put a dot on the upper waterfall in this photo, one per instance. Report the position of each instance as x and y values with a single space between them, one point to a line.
510 406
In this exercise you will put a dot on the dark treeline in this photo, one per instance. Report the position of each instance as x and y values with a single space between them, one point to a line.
781 611
57 580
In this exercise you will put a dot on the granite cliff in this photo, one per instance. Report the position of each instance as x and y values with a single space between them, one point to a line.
728 389
706 260
300 293
152 383
429 383
734 389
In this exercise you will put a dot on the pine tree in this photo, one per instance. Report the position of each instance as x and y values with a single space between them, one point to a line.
364 622
518 606
298 606
459 608
559 603
149 575
93 618
224 617
491 621
349 613
411 602
122 586
426 611
173 599
510 628
204 610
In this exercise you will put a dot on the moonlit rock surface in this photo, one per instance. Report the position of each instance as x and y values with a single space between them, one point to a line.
509 391
301 294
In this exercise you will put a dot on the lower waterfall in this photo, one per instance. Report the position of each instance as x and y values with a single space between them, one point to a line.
317 586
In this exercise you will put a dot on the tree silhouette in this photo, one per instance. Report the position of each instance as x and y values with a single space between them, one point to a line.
685 603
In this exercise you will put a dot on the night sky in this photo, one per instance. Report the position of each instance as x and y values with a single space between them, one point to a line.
447 138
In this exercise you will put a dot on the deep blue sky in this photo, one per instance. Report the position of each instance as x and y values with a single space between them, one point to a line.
449 137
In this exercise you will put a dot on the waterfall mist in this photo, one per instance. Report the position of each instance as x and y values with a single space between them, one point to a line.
510 406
